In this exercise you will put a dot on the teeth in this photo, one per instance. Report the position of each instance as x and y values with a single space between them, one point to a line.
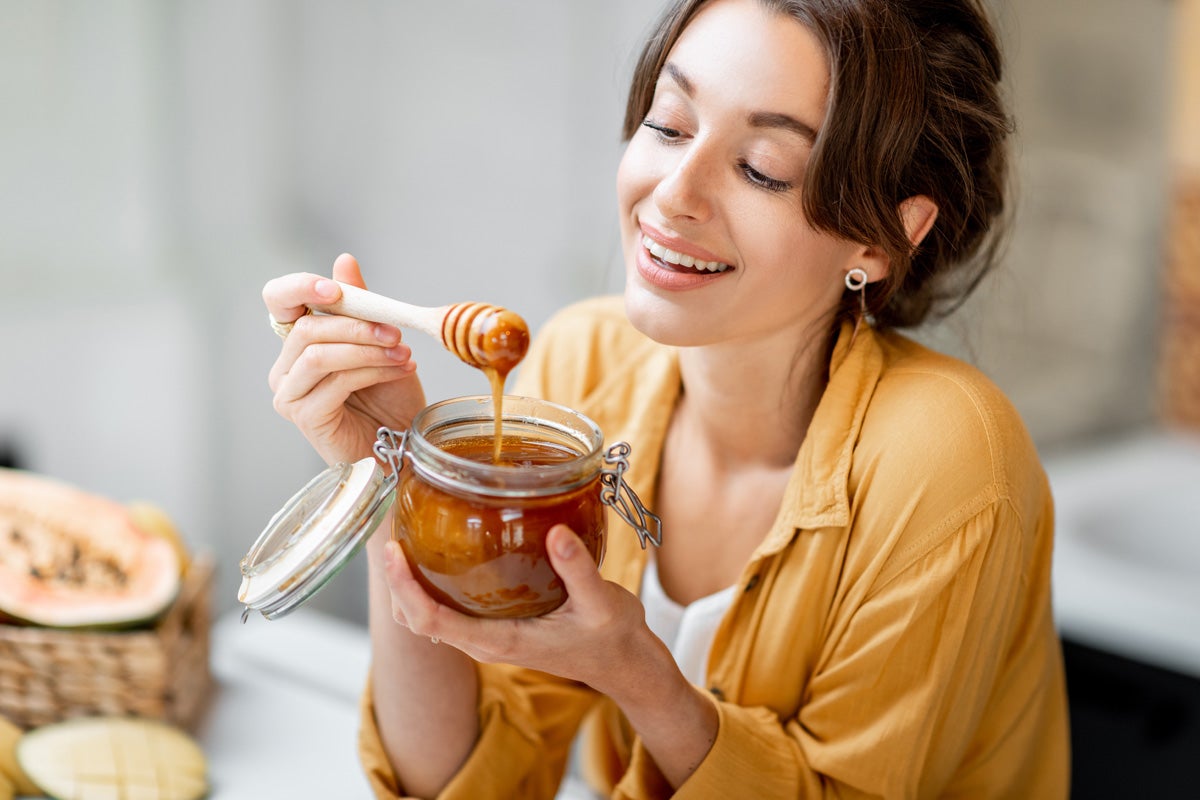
671 257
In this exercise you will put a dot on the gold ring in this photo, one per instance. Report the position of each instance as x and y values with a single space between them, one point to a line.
282 329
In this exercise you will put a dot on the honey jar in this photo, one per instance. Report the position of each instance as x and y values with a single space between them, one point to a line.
472 525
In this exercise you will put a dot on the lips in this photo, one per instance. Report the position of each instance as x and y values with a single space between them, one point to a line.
663 261
678 255
673 259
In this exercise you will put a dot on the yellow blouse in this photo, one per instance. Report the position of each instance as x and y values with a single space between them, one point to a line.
893 633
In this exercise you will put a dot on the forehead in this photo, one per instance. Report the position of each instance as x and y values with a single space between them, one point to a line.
760 59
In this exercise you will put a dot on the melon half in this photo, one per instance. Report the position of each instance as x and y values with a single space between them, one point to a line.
71 559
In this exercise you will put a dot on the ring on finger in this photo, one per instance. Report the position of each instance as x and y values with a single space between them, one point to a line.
282 329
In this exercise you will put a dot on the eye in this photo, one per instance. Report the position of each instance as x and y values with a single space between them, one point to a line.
662 132
764 181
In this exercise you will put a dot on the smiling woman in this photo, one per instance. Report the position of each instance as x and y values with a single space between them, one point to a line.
852 595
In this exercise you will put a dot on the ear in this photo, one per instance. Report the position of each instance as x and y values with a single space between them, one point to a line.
918 214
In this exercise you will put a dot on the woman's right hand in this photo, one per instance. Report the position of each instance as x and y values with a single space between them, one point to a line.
339 379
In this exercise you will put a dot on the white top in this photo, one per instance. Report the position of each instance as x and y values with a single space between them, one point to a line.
688 631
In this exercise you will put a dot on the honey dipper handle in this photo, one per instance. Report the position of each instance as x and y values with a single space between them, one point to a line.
361 304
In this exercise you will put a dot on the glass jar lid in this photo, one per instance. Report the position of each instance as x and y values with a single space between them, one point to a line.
316 533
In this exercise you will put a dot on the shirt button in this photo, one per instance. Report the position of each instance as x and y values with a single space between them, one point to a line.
716 692
750 584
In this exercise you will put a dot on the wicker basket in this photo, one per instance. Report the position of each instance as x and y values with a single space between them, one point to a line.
161 672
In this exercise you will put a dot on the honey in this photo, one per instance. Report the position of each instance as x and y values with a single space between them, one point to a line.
474 529
493 339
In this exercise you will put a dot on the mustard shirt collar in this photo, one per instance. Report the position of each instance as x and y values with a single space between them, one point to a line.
817 493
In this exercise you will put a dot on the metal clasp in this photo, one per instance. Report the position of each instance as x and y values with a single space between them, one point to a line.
389 448
618 494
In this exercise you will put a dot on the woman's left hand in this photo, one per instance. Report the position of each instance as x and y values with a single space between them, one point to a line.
599 625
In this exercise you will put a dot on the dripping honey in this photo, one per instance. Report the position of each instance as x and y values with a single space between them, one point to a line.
503 340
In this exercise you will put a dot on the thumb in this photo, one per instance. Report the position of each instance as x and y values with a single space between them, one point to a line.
346 270
573 563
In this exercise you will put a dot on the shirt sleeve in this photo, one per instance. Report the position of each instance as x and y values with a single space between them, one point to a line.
891 707
527 721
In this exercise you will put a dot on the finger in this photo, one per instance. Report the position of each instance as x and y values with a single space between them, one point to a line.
413 608
397 574
381 344
288 297
317 361
411 604
571 560
312 407
347 270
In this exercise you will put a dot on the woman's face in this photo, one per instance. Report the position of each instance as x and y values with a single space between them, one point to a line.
713 176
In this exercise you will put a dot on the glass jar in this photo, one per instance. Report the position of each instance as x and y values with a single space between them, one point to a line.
472 527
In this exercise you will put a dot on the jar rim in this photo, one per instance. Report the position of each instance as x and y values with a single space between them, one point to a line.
473 415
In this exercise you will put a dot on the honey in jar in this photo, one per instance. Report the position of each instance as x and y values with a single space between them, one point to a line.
473 527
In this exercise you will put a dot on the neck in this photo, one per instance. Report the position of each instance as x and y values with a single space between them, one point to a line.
750 405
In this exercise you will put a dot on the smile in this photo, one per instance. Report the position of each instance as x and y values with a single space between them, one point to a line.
675 259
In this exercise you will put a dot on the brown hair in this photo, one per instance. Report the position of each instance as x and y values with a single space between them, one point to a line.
914 109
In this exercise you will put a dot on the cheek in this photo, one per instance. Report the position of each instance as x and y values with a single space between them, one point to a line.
635 177
797 261
623 188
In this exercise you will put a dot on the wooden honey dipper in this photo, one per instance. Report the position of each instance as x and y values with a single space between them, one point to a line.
483 335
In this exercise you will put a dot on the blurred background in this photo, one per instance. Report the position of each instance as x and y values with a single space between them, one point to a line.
161 160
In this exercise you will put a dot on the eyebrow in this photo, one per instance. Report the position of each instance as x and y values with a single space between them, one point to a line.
771 119
757 119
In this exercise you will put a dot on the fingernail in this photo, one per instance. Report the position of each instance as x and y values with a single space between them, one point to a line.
326 288
386 334
396 354
389 554
565 546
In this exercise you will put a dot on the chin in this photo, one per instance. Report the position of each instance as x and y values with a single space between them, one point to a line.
665 322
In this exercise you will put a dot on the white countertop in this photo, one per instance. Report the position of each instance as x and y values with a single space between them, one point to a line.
1127 547
283 722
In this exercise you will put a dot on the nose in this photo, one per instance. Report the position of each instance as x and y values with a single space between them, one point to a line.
687 187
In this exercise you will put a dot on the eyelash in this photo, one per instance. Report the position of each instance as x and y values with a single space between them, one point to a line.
766 182
753 177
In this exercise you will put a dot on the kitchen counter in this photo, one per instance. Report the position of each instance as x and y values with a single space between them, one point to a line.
283 722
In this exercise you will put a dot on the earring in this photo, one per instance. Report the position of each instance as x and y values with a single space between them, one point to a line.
856 281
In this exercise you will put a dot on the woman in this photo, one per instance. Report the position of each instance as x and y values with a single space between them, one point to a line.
857 530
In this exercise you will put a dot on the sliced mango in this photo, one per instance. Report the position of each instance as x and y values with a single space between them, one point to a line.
12 777
119 757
